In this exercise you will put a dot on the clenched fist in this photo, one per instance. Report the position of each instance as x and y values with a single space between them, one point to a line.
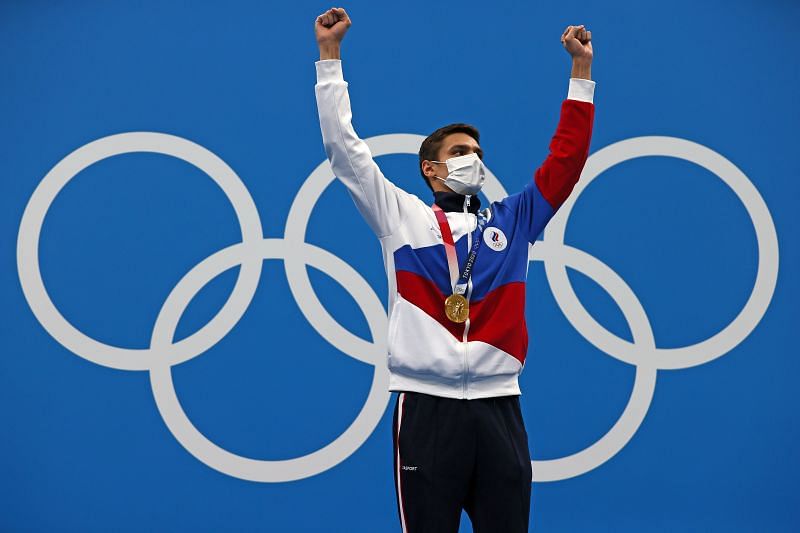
331 26
578 42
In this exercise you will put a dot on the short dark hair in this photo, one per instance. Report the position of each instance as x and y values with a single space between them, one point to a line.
429 149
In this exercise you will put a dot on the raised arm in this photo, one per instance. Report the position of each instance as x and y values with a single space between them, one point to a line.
378 200
569 148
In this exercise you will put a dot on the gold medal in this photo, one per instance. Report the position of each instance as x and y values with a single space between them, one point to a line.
456 308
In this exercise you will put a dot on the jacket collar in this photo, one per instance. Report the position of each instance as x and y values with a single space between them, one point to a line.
451 201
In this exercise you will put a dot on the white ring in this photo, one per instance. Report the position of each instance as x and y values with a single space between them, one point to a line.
258 469
31 225
766 277
644 383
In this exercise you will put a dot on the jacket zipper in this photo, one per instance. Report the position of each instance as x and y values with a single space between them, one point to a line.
466 344
469 293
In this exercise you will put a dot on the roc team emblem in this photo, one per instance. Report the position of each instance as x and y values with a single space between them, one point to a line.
495 239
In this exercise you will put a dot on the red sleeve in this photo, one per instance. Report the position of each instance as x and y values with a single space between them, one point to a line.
569 150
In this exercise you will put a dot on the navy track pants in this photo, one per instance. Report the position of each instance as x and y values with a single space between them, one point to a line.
452 454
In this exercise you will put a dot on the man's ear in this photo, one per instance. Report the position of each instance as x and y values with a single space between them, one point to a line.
428 170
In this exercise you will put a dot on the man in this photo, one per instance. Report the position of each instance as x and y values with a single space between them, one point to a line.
457 338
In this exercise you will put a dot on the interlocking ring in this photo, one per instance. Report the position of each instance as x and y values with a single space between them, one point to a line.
164 353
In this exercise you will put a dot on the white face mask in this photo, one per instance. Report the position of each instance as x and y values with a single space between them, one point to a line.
465 173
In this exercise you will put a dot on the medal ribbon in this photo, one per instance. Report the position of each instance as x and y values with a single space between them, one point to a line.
459 283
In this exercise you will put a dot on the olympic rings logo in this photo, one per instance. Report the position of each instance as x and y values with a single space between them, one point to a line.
249 255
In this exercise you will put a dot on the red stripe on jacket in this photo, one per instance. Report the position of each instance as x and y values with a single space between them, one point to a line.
497 319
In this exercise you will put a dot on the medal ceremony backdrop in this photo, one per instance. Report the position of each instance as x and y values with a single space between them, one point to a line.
193 333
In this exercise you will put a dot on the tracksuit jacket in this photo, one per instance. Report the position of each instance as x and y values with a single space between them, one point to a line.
428 353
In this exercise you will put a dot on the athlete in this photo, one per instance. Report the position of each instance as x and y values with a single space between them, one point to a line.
457 338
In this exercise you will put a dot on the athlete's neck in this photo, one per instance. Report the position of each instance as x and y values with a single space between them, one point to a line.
451 201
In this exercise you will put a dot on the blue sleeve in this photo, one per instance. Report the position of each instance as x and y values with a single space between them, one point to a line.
532 211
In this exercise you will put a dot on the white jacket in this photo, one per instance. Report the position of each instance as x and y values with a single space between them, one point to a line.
426 352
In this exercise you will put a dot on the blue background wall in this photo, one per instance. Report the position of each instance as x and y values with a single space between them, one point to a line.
83 446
